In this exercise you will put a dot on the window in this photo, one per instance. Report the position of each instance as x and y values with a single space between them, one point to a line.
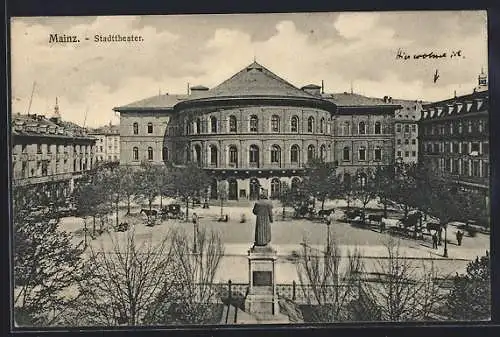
413 153
413 141
275 123
38 148
469 126
378 128
135 153
345 128
310 124
198 126
486 169
474 147
294 124
23 148
460 127
407 154
294 154
378 153
213 124
480 126
436 148
135 126
345 154
361 128
150 153
150 127
398 127
164 153
322 152
322 125
213 155
254 155
275 154
254 123
233 156
407 128
455 148
465 148
232 124
475 168
407 141
362 153
399 154
451 128
413 127
310 153
100 148
465 167
399 141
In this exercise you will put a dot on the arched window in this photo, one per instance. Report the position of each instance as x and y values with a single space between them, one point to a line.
322 152
362 128
310 124
310 153
254 123
135 152
295 184
197 154
346 156
150 127
345 129
233 156
253 156
294 154
407 128
275 188
322 125
164 154
213 124
275 154
198 125
232 124
294 124
275 123
150 153
378 153
378 128
135 126
214 155
362 153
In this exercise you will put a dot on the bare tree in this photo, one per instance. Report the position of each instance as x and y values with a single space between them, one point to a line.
403 290
222 195
195 294
329 281
120 285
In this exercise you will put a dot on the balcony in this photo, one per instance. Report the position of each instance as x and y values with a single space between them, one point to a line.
233 165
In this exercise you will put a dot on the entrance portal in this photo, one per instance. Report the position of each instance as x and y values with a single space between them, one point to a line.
233 190
254 189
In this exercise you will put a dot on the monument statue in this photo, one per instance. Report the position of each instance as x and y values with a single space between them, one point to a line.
263 209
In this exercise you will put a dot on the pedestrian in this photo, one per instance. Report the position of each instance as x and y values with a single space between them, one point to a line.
434 241
440 235
195 219
460 235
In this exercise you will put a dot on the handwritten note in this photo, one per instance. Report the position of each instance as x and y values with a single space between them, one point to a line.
433 55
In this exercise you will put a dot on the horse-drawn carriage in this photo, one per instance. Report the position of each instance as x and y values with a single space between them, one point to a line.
308 210
172 211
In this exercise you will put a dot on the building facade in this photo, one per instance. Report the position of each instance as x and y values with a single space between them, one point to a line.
406 129
255 131
49 154
455 138
107 148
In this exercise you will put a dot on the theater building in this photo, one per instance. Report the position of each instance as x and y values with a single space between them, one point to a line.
48 154
454 138
256 130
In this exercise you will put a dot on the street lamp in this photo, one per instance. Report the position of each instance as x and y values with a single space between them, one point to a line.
445 253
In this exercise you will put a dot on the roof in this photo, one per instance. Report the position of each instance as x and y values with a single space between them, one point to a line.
106 130
39 125
155 102
354 100
199 87
311 86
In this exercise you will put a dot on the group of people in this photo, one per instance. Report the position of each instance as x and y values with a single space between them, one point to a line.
437 238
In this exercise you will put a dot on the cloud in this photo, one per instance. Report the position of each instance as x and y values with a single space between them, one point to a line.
302 48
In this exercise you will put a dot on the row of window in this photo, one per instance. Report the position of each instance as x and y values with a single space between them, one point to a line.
464 168
456 127
254 154
58 148
456 147
44 169
407 154
407 141
407 127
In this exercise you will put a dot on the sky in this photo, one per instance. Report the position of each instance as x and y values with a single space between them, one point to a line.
344 50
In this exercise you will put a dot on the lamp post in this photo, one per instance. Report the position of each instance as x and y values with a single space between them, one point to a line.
328 246
195 233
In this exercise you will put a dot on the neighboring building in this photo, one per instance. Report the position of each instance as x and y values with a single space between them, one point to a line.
256 130
455 138
406 129
107 143
49 153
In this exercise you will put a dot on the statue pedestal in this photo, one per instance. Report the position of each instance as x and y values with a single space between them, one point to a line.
262 299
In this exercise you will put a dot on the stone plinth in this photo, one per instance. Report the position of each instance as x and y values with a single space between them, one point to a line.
262 299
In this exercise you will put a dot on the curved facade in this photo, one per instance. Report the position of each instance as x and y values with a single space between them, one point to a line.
255 131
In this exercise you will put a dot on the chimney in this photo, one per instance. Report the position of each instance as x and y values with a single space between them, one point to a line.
385 99
312 89
322 87
198 90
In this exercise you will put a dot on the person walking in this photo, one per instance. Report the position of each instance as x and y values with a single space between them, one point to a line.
434 241
460 236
